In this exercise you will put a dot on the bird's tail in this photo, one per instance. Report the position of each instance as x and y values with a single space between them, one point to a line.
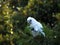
43 34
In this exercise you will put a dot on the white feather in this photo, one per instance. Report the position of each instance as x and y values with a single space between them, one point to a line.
36 25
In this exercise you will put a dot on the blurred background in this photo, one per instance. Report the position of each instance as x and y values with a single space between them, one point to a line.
13 25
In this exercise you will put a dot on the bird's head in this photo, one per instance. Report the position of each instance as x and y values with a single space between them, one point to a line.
29 20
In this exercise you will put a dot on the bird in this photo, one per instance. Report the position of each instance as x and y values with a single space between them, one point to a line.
36 27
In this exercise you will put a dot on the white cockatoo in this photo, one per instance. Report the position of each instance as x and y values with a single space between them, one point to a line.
36 26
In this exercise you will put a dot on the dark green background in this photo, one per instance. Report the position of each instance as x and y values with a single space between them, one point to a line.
14 28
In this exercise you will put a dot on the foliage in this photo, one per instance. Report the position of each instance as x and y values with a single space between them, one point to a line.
14 28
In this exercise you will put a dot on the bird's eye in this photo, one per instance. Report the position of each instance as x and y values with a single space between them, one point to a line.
30 21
